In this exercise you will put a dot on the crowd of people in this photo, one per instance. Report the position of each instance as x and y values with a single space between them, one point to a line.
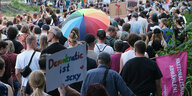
120 60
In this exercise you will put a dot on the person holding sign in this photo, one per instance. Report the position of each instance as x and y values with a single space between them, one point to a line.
61 91
53 36
109 78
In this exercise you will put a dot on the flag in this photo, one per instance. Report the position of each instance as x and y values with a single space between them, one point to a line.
83 2
174 69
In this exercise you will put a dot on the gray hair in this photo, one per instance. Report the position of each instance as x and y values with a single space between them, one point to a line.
104 58
57 32
11 48
124 36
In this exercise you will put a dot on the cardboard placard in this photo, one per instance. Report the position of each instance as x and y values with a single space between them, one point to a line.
131 4
66 67
118 9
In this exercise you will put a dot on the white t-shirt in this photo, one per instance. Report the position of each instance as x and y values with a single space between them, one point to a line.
126 56
23 60
92 54
3 37
103 48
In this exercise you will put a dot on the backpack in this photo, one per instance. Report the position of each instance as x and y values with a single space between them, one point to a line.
101 50
109 41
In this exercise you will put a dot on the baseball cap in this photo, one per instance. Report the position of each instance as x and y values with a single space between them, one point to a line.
135 15
117 18
113 22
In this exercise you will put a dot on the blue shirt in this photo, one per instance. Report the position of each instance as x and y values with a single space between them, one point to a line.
3 90
167 36
114 82
136 27
67 3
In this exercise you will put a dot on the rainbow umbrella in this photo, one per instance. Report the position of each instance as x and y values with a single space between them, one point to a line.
87 20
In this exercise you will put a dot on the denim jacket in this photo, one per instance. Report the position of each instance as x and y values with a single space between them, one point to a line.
114 82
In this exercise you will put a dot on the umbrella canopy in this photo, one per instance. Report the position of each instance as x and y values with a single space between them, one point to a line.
87 20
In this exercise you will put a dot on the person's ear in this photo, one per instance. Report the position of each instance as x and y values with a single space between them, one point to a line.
128 44
97 62
33 43
135 50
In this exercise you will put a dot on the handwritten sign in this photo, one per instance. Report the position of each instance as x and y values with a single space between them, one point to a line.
173 68
131 4
118 9
66 67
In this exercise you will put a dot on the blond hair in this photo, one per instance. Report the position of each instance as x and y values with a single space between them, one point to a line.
73 35
37 82
11 48
25 29
73 38
43 42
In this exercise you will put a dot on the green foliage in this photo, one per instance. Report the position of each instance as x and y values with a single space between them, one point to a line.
188 16
20 5
186 46
8 13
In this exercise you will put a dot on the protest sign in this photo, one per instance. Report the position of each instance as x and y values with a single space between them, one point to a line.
66 67
106 1
118 9
165 6
168 1
143 1
131 4
173 68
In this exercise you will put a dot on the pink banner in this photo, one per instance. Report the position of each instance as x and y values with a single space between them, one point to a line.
173 68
